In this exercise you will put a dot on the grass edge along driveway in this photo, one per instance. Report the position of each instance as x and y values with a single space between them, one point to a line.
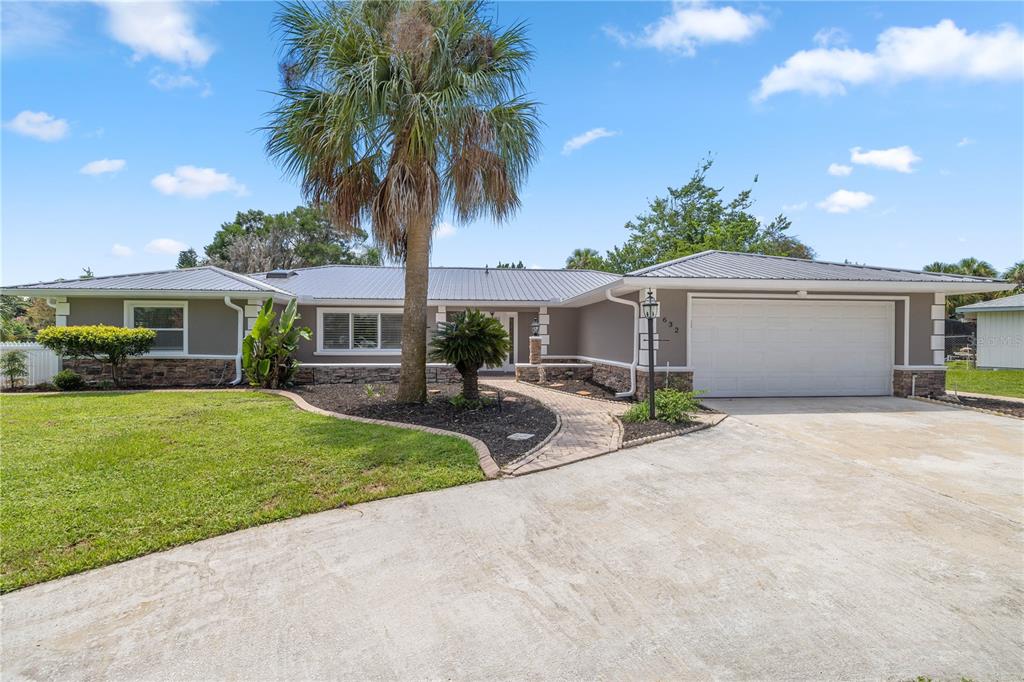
92 479
998 382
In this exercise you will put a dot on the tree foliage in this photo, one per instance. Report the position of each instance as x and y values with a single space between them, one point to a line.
303 237
585 259
965 266
268 352
21 318
470 341
14 367
1015 274
103 343
696 217
187 259
510 265
392 113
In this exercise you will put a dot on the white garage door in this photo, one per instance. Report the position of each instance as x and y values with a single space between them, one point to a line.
750 348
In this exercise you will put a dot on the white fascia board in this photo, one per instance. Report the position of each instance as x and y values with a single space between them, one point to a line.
144 293
816 285
398 303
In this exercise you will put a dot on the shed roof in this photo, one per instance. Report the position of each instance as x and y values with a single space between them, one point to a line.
996 305
205 278
363 282
731 265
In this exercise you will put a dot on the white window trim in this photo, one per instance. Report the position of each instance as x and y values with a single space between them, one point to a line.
320 350
129 323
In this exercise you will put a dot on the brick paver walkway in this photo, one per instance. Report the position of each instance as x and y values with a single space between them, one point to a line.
588 427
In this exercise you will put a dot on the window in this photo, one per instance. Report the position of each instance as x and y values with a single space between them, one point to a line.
355 331
166 318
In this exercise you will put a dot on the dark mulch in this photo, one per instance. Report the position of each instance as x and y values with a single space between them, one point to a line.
1005 406
492 424
636 430
586 389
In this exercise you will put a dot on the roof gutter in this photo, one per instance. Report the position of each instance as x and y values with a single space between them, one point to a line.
636 343
238 355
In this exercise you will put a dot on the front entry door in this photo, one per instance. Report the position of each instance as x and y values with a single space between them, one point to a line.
508 320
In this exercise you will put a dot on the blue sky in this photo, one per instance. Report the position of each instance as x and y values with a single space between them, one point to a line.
918 108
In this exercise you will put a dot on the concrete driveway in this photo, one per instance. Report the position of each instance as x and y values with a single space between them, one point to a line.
751 550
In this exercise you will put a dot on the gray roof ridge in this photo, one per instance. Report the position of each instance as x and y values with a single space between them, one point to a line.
35 285
656 266
244 279
439 267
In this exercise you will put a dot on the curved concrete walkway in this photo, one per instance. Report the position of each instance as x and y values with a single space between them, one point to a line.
588 427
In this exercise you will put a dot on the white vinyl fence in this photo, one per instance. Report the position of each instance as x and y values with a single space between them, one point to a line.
42 363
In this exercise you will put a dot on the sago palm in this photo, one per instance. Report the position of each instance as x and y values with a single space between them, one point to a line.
395 112
469 342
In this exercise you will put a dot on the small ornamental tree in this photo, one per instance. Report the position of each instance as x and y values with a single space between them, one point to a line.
469 342
101 342
268 350
14 367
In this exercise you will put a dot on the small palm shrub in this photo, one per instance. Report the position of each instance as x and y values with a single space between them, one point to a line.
470 341
14 367
670 405
68 380
268 350
101 342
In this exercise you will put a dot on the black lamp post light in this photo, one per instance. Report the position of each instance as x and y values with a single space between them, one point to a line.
650 309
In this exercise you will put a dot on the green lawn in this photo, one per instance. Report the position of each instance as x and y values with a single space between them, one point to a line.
1007 382
92 479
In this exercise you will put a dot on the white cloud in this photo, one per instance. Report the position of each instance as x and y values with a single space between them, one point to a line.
844 201
38 124
794 207
691 24
161 80
586 138
164 30
165 245
899 159
940 51
831 37
196 183
445 230
102 166
121 251
964 141
29 26
839 169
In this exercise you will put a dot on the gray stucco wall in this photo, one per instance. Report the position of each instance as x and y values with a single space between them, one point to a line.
563 330
920 329
212 326
605 331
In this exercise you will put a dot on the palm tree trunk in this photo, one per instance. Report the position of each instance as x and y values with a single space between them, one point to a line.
412 380
471 383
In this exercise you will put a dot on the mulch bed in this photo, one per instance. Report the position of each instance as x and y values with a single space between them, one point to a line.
492 424
635 430
1004 406
585 389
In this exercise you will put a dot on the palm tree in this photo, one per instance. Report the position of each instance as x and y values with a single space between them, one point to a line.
965 266
1015 274
394 112
585 259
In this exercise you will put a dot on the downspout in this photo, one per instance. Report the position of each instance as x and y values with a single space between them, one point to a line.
238 355
636 342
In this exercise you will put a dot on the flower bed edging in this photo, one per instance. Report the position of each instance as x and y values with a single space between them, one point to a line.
714 419
960 406
483 454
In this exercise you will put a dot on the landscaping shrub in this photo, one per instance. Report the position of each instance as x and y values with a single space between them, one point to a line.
670 406
101 342
14 367
267 352
68 380
470 341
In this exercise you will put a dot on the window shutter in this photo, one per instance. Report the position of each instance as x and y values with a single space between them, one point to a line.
335 331
390 330
364 330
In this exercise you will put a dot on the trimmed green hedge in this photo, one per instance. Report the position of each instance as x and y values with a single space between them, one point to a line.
101 342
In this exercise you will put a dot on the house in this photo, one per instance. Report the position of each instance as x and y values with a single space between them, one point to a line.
1000 334
732 324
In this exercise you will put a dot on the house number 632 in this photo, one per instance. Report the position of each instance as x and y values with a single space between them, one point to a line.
671 325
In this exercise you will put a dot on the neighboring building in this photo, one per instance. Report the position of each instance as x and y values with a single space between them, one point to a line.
1000 334
731 324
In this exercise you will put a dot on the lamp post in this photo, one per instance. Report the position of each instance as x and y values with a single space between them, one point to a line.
651 309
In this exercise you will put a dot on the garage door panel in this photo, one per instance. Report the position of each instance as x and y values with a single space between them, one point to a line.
769 347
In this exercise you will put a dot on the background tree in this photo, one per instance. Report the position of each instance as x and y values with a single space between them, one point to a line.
18 317
187 259
303 237
392 112
510 266
14 367
585 259
87 273
696 218
468 342
965 266
1015 274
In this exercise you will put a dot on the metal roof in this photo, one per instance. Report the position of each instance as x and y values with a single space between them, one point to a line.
996 305
203 278
730 265
362 282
